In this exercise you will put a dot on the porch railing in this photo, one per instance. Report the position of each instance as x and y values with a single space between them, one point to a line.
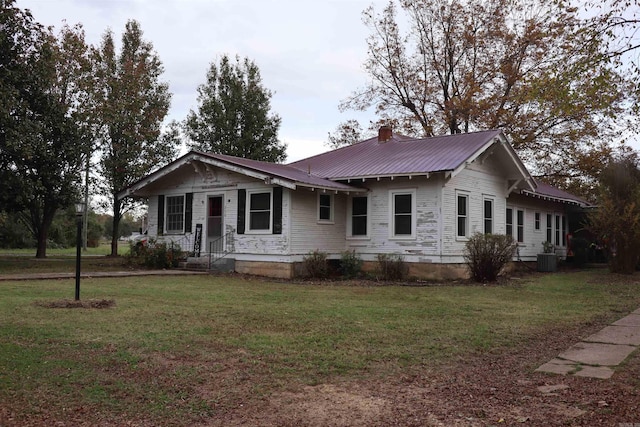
220 247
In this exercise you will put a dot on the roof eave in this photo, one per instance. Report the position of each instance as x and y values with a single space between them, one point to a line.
554 198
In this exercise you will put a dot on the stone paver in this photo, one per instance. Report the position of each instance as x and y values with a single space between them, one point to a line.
630 320
597 355
617 335
602 372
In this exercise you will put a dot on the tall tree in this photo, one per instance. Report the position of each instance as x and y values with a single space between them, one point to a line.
530 67
131 103
233 115
41 141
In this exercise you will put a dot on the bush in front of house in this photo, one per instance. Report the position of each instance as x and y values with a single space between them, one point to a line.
487 254
392 267
315 264
350 264
580 247
155 254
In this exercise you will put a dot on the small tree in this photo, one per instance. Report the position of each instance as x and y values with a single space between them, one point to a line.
487 254
616 221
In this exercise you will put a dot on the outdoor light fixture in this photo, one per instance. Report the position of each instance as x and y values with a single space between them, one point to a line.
80 208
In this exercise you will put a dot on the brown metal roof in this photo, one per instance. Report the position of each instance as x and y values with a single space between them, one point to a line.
296 176
400 155
544 190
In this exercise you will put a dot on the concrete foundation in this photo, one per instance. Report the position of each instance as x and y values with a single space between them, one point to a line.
279 270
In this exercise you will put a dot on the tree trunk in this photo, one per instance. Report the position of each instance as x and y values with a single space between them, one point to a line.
43 233
116 226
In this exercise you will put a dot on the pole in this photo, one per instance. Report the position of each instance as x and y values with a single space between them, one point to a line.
78 248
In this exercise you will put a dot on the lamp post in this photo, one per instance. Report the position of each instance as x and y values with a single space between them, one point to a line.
80 208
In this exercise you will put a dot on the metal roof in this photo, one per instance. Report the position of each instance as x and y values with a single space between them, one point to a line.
400 155
290 173
547 191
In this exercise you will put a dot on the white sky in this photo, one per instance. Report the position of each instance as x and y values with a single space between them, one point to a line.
309 52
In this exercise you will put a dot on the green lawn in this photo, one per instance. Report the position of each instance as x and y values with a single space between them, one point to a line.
177 350
16 261
103 249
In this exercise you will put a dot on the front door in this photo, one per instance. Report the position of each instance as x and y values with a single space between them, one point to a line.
214 224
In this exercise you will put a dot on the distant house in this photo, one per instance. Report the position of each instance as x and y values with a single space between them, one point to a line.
420 198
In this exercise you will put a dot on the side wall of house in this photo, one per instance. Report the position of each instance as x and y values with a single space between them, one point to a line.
536 232
478 182
309 233
423 245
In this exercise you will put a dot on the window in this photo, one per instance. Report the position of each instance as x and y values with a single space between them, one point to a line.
463 215
557 241
259 211
509 222
520 218
402 213
537 221
488 216
564 231
359 216
325 207
175 214
549 228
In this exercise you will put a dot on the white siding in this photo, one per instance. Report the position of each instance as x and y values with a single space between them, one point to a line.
218 182
478 181
261 244
532 244
308 233
425 246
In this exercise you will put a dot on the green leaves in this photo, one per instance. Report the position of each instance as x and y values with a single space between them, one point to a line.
41 140
537 70
130 104
233 115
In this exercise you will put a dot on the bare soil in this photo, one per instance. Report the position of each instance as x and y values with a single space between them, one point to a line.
477 390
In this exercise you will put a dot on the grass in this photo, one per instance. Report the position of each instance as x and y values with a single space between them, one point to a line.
17 261
176 351
103 249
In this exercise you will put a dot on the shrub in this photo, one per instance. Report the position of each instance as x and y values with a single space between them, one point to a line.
315 264
580 247
350 264
392 267
487 254
155 254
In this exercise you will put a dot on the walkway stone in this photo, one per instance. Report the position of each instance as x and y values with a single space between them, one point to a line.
597 355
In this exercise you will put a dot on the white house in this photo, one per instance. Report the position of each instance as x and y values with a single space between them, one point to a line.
420 198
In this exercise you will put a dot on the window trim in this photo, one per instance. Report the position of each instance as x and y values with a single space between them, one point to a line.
248 229
392 214
331 219
350 235
167 197
466 197
491 218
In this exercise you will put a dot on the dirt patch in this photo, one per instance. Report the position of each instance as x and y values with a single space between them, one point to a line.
476 390
66 303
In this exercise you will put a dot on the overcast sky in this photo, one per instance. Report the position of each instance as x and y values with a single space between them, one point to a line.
309 52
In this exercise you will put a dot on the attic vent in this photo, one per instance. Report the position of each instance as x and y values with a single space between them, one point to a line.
384 134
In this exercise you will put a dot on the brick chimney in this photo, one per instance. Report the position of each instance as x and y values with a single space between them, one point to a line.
384 133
